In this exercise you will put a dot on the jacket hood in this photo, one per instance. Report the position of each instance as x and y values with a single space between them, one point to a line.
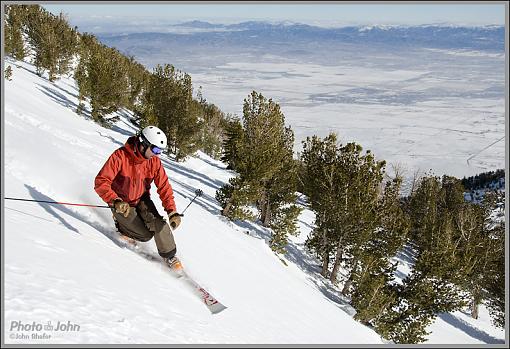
131 148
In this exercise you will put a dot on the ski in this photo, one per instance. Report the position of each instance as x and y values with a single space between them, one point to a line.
212 304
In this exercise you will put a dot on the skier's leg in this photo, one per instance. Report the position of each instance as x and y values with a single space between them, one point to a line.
158 226
132 226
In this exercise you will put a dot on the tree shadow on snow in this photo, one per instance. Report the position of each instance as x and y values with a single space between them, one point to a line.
308 264
252 229
19 66
62 99
469 329
122 131
307 225
407 256
207 202
213 164
132 124
113 140
189 173
400 275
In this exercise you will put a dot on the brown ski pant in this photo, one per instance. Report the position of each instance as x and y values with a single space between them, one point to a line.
143 223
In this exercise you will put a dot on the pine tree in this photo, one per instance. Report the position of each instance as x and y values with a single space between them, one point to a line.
423 211
86 44
137 77
67 44
452 235
236 199
169 98
213 124
415 306
319 159
280 189
261 152
372 280
490 269
373 291
451 256
107 82
359 178
473 249
279 211
265 138
495 284
101 76
8 73
52 40
343 189
42 40
13 29
234 140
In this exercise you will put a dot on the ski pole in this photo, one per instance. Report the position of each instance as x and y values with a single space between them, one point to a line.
198 192
58 203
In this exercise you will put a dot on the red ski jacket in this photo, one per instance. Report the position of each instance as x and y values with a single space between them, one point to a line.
128 174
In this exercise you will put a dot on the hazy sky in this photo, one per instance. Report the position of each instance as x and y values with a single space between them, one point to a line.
327 13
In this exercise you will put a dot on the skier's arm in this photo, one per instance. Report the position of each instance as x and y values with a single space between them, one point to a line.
103 181
165 191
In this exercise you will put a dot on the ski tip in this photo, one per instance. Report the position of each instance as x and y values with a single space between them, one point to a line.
217 308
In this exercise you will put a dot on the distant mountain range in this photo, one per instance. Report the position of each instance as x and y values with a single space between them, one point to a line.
490 38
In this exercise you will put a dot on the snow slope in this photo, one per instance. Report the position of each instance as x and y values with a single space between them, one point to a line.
64 266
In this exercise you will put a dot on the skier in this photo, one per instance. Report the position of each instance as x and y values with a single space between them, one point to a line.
124 183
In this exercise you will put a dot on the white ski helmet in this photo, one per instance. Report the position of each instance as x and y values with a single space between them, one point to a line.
154 136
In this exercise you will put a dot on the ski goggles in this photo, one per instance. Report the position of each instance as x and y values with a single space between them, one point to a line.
156 150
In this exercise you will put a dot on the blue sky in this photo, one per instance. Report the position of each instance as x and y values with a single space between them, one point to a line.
326 13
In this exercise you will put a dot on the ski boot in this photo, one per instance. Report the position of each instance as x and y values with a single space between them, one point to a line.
175 265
